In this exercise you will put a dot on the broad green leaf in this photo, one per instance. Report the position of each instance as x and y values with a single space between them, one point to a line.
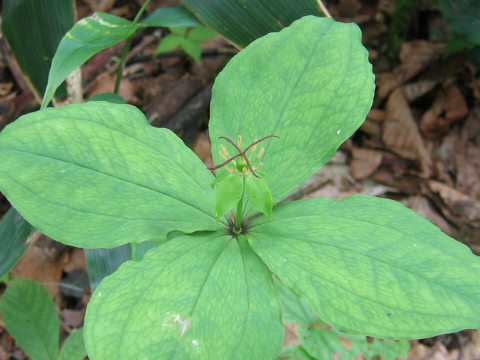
371 266
171 17
73 348
201 34
259 194
33 30
320 343
204 296
98 175
14 231
294 309
313 99
169 43
87 37
230 191
31 318
103 262
193 49
243 21
292 352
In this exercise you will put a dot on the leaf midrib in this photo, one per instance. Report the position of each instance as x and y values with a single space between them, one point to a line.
373 260
53 159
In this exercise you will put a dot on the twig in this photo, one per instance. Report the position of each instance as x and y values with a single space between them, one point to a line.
324 9
126 48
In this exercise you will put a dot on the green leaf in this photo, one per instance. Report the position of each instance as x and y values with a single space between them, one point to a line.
292 352
98 175
242 21
230 191
103 262
313 99
294 309
88 37
219 178
201 34
171 17
14 231
182 31
108 97
192 48
259 193
31 318
169 43
33 30
463 16
203 296
321 343
73 348
371 266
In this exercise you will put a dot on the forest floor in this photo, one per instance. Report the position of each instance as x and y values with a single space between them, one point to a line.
419 145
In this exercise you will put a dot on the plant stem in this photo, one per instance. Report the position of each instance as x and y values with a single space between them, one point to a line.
126 48
324 9
239 213
134 251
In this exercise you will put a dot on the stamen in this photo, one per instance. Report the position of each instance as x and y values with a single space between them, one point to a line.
261 153
239 141
241 154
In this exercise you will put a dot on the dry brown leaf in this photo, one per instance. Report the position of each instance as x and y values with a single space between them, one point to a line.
364 162
105 84
291 331
471 128
73 318
401 135
37 264
100 5
422 206
76 260
376 115
202 148
458 203
415 90
421 352
415 56
5 88
449 107
471 350
467 161
3 354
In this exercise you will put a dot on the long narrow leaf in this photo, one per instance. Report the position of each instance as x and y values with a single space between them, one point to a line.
14 230
243 21
33 29
88 37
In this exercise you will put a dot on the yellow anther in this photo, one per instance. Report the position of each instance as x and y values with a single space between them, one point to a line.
224 152
260 153
244 169
240 142
254 147
230 170
260 165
